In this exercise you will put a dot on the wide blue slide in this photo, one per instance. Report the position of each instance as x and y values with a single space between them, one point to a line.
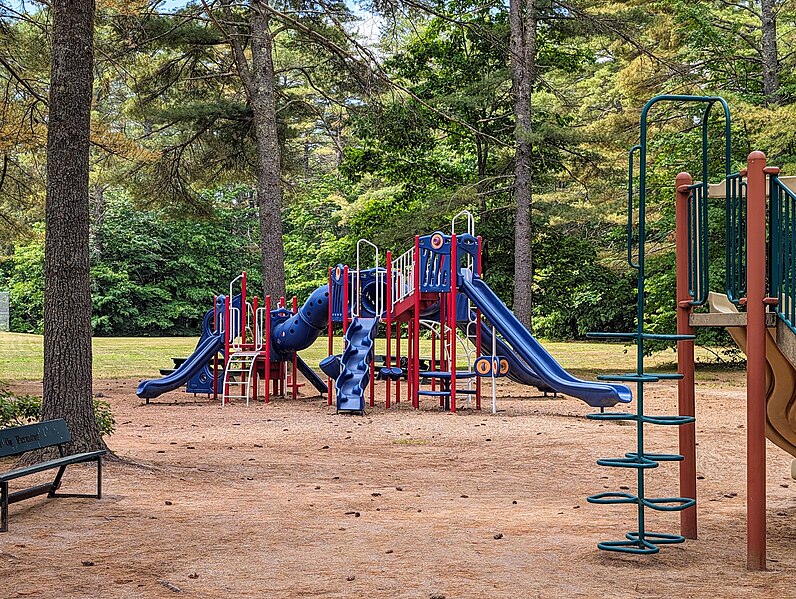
601 395
208 347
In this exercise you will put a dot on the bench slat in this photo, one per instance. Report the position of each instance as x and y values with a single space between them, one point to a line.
49 465
20 439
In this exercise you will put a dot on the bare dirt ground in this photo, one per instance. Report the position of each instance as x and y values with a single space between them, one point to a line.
290 500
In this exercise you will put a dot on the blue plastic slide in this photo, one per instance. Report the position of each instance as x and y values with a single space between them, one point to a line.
355 365
199 359
531 351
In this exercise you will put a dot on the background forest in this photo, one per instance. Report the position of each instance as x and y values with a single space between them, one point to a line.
382 136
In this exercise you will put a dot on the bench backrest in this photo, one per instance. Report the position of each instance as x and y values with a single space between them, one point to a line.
19 439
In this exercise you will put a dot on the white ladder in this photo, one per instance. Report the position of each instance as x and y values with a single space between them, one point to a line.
238 376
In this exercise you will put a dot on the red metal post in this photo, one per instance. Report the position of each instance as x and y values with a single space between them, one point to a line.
388 307
215 356
398 326
255 327
454 268
756 363
227 332
294 366
685 359
478 330
415 370
373 362
443 335
433 358
255 307
279 382
267 344
330 339
244 312
345 302
410 359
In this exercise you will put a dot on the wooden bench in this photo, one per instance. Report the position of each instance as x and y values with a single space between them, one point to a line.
21 439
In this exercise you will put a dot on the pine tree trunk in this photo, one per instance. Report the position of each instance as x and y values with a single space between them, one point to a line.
522 20
269 172
67 294
768 48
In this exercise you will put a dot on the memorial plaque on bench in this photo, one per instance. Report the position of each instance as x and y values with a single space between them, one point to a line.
17 440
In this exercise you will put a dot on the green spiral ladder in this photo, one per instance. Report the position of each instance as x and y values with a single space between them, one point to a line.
641 540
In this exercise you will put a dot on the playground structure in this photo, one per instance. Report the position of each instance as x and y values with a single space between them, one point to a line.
435 289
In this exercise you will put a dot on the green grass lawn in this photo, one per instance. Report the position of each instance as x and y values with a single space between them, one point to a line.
21 356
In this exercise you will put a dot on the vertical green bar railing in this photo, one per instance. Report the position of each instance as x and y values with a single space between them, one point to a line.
698 284
735 246
782 250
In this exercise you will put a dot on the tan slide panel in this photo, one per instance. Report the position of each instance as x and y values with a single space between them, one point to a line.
780 381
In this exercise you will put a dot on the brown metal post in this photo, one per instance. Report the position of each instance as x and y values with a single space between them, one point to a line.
756 363
685 360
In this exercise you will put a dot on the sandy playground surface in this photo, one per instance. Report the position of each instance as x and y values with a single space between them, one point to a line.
290 500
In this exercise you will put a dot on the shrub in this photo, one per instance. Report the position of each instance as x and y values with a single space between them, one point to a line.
17 410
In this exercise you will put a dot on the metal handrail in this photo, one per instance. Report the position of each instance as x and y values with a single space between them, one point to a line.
234 325
379 277
470 222
260 320
403 280
233 312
